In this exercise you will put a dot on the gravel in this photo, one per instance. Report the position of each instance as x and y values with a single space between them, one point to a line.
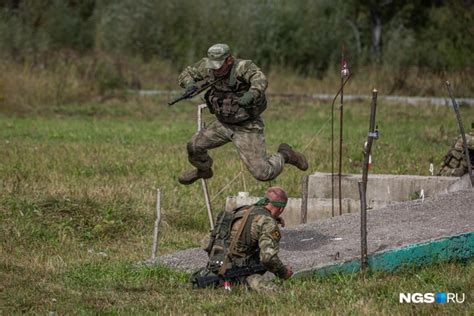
336 239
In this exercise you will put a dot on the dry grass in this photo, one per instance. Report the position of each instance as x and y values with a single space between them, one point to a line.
77 188
52 80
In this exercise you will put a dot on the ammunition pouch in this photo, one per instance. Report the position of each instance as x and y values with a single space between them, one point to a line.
225 106
453 159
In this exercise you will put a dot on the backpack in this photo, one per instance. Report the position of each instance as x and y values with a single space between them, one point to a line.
220 240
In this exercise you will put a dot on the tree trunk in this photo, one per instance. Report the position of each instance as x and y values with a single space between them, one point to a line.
376 31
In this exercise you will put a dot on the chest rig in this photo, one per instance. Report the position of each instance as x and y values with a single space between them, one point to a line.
222 99
245 253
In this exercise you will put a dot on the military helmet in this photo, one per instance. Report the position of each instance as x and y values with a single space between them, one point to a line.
216 55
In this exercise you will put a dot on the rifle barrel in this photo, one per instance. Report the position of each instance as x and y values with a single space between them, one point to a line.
194 93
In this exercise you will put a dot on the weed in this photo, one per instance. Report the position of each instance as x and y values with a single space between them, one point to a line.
77 207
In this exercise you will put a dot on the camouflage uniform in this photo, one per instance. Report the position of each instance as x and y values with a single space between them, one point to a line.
261 237
455 164
258 243
242 126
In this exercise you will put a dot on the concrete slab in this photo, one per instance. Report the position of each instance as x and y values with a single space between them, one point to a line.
335 240
386 187
457 247
382 189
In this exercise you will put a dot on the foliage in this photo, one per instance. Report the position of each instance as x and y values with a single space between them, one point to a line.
304 35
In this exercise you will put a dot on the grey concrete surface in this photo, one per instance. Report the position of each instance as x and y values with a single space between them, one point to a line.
382 190
336 239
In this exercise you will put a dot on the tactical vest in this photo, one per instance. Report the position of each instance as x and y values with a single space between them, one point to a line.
222 98
221 239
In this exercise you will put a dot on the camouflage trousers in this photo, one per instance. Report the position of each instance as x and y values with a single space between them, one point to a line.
249 141
262 283
446 171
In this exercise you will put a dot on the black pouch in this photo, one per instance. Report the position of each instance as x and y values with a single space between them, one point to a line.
201 272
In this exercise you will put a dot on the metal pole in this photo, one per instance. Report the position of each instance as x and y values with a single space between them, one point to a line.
332 160
363 226
373 134
341 129
156 230
461 129
203 181
243 175
344 74
348 76
304 200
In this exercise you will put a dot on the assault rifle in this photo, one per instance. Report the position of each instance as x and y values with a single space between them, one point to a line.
194 93
233 273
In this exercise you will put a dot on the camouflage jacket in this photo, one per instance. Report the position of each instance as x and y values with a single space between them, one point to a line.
244 76
455 163
260 237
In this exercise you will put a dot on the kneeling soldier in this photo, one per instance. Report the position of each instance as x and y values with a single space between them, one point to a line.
245 244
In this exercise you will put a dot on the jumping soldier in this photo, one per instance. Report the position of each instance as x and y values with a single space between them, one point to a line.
237 102
455 163
246 237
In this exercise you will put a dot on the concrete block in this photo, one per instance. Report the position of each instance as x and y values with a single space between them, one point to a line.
382 190
385 187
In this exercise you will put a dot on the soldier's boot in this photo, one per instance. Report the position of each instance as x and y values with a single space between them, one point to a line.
190 176
293 157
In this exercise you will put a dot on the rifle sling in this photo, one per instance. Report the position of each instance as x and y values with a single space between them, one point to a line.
231 249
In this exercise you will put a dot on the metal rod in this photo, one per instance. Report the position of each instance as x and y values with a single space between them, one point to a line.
363 226
370 138
225 187
203 181
341 130
344 74
156 229
461 129
208 203
373 134
332 160
332 141
304 200
243 175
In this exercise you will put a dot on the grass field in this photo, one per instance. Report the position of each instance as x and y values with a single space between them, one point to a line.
77 185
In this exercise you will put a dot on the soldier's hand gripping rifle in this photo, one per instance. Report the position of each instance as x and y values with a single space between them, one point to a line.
191 94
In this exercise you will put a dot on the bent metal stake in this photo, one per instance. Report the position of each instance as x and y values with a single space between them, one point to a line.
373 134
461 130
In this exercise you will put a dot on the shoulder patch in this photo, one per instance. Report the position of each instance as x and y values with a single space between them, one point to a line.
276 235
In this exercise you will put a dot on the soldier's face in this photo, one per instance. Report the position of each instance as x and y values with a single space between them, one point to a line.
280 211
224 68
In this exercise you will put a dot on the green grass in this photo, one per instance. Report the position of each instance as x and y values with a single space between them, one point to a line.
77 185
